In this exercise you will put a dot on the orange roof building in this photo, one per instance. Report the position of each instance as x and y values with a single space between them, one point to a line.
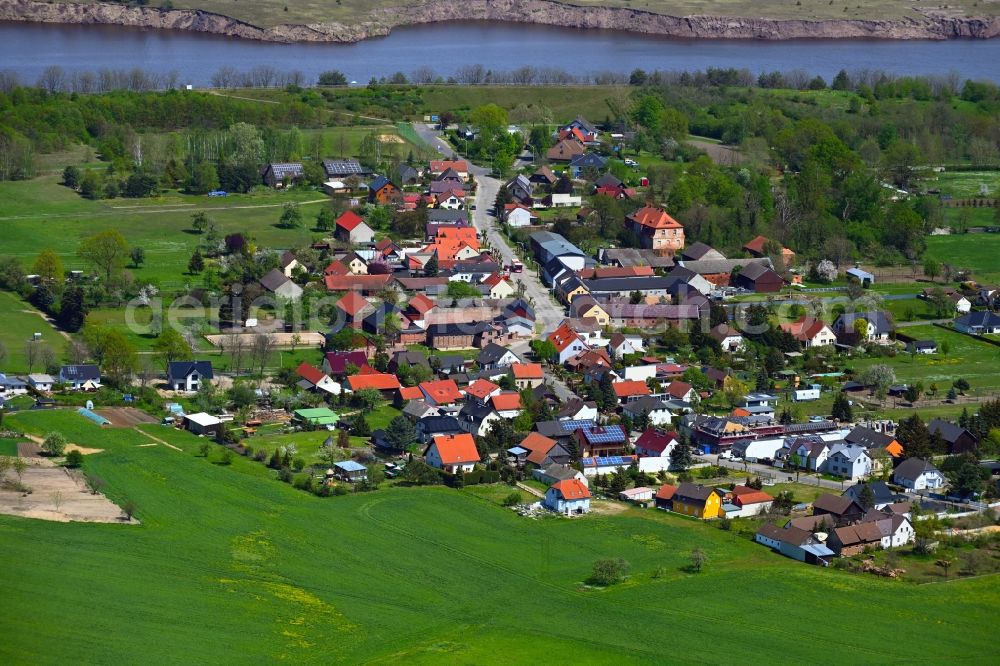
569 496
407 393
508 401
527 371
657 230
380 381
633 388
453 453
538 446
482 389
352 304
568 342
441 392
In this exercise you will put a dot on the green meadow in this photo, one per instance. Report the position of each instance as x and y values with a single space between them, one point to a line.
230 566
20 321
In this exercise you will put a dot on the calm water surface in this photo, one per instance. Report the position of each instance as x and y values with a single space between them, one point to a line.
28 49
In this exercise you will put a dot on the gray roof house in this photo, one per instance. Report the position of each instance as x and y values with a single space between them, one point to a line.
188 376
278 284
978 323
79 375
879 326
494 356
918 474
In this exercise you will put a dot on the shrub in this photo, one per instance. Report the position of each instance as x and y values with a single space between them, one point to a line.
285 474
54 444
608 572
74 458
227 456
513 499
203 449
298 464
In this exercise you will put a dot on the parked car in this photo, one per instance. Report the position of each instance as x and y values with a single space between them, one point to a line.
630 162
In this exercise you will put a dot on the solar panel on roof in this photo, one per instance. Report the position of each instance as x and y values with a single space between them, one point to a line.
608 434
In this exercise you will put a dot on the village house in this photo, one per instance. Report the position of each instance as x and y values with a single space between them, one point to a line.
382 191
918 474
314 379
751 502
341 169
842 510
440 392
600 441
664 498
958 439
696 500
276 283
527 375
453 453
850 461
795 543
648 407
730 339
351 228
188 376
568 497
657 230
288 263
877 326
85 377
280 174
760 246
39 381
337 364
519 215
810 332
429 427
759 278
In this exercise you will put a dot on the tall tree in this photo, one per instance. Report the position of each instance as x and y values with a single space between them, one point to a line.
107 251
49 269
72 310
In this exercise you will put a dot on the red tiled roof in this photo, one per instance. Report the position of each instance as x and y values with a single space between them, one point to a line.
310 373
422 303
631 387
442 391
678 390
411 393
563 337
349 220
654 218
481 388
666 492
743 495
379 381
456 449
572 489
356 282
527 370
653 439
440 166
536 441
352 303
336 267
506 401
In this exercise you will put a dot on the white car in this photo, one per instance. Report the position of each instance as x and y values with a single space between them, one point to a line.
630 162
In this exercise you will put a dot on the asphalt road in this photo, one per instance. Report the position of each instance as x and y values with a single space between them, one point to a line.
548 312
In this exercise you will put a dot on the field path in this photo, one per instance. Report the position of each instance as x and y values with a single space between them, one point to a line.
530 490
50 322
158 440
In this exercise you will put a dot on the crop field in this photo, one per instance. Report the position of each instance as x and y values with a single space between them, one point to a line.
229 562
19 322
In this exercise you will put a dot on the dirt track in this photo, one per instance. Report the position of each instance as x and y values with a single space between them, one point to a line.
125 417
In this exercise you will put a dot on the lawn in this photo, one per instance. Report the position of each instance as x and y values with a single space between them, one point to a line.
20 322
965 184
238 564
8 447
967 357
974 251
42 214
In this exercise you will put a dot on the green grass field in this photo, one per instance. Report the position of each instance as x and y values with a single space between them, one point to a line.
229 565
972 359
975 251
965 184
20 322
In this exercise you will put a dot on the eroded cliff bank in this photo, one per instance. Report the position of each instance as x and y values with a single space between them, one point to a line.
543 12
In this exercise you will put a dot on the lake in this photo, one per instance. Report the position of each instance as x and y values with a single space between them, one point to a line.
29 48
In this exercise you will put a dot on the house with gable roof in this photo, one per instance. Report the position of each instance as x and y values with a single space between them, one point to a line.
453 453
351 228
656 229
569 497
